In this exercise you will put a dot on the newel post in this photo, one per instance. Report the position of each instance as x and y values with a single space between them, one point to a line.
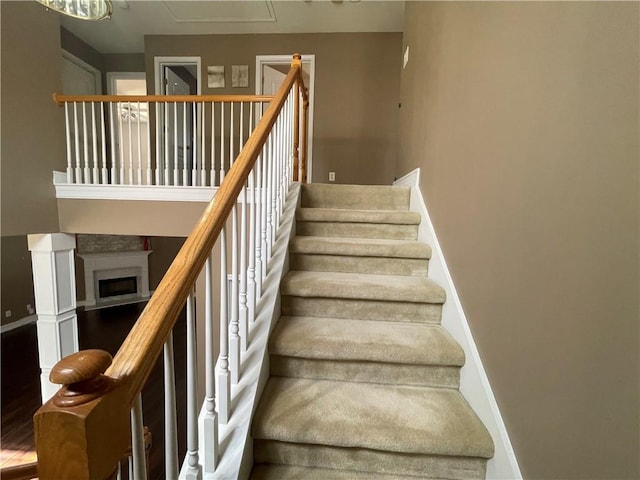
297 61
54 280
83 431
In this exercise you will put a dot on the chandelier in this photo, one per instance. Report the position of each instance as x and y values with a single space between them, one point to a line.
83 9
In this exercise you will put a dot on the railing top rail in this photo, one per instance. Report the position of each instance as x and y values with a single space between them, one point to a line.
138 353
62 99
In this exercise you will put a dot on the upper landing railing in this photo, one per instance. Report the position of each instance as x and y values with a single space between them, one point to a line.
87 427
168 140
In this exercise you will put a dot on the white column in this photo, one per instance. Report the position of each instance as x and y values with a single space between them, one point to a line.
54 282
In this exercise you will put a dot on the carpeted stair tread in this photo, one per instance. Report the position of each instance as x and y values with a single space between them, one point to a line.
390 288
292 472
372 341
335 215
360 247
415 420
363 197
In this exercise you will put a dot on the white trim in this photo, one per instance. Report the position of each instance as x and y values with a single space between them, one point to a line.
307 59
113 76
474 383
159 62
136 192
97 75
18 323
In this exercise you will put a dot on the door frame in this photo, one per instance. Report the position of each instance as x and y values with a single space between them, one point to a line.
308 61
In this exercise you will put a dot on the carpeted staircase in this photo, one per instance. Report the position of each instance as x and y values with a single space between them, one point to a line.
364 380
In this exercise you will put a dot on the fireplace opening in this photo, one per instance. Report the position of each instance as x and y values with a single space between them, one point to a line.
114 287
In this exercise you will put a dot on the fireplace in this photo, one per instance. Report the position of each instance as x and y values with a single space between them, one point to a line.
115 278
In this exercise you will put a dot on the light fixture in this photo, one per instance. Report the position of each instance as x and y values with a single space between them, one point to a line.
82 9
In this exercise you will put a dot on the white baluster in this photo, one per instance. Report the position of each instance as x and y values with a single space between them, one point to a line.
129 128
210 426
120 142
194 469
224 379
94 131
213 144
221 142
194 154
166 156
243 318
251 272
170 418
257 192
203 162
148 138
231 135
264 207
87 171
234 340
139 166
270 195
176 171
185 156
119 472
78 165
112 125
68 137
137 441
105 174
157 107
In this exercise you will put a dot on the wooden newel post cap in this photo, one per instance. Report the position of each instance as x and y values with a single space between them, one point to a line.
81 375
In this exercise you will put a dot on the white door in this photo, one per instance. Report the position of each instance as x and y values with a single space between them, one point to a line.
178 130
271 70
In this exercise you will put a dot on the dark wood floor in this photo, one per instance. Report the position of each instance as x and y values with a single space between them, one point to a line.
104 329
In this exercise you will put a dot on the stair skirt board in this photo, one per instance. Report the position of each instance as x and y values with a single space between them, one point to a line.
364 380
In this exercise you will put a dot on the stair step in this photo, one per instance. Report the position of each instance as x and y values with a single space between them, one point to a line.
361 197
358 255
362 296
382 423
291 472
322 222
365 351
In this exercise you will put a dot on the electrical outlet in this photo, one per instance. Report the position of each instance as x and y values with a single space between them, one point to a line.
332 176
7 313
30 309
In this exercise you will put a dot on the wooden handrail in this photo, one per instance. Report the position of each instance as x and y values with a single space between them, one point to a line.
62 99
95 432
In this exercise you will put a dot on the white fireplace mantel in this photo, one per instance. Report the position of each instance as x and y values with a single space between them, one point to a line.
112 265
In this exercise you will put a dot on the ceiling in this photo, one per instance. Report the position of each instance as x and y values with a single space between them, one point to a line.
132 19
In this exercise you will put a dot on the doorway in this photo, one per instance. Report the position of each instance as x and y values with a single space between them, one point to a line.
177 150
271 70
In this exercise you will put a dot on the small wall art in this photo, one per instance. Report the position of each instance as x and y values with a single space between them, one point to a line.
239 75
215 75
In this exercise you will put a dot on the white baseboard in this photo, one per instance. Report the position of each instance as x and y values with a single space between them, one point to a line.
474 383
18 323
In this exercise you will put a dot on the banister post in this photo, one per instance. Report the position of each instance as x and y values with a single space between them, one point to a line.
297 61
83 431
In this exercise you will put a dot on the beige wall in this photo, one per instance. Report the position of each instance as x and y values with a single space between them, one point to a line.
15 280
523 119
356 91
32 125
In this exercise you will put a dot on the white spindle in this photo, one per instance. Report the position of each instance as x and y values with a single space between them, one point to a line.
203 162
94 138
231 135
234 340
148 138
158 106
213 144
119 471
120 143
264 210
78 166
224 379
196 144
270 195
210 427
176 171
68 137
251 272
194 469
87 171
243 318
170 417
137 441
185 147
166 160
112 125
103 129
221 142
139 166
129 129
